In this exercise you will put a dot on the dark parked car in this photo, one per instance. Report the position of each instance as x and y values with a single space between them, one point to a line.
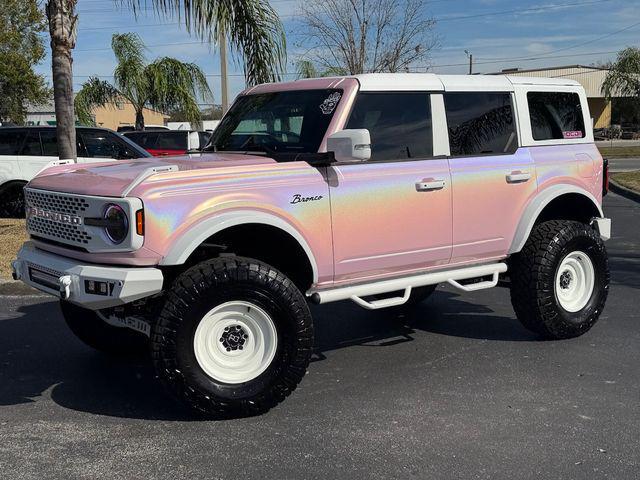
172 142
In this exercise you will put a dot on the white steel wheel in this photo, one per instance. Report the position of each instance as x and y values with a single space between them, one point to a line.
235 342
574 282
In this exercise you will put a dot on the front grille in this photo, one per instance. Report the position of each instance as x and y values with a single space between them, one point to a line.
56 202
52 229
49 228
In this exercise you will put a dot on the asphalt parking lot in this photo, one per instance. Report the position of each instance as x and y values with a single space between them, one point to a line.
456 389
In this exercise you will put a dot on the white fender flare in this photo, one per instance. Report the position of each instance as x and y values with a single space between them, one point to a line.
535 207
195 236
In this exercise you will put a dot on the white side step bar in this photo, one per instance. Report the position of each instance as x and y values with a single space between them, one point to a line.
453 277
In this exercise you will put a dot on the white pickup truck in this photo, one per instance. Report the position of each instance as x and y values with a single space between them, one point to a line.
26 151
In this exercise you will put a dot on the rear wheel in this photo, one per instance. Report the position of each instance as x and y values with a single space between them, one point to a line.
560 279
234 337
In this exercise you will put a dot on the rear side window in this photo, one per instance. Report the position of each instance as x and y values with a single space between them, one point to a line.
480 123
172 141
11 141
399 124
555 115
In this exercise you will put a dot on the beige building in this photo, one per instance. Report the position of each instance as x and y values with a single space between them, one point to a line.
123 114
591 78
112 116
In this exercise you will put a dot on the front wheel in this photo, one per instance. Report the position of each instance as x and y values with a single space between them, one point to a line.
12 201
560 279
234 337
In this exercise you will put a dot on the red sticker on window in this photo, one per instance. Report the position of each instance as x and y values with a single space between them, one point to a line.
572 134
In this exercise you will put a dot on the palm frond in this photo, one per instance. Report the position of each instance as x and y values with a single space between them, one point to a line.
174 85
306 69
129 51
252 26
94 93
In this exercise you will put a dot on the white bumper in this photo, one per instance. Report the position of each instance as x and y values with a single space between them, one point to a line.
67 279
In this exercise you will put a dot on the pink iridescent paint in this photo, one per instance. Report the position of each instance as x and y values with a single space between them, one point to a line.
368 220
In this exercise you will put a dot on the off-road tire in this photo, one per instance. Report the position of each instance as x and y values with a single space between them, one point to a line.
99 335
206 286
533 279
12 201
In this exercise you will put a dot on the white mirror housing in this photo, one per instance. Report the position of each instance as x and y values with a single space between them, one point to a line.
351 145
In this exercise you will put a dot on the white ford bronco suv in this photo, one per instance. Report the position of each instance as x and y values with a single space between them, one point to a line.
370 188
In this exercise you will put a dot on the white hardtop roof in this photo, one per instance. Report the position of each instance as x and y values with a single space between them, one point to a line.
451 83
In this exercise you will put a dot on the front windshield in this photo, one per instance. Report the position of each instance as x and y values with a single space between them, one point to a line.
279 122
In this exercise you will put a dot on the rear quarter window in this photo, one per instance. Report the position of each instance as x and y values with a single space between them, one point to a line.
555 115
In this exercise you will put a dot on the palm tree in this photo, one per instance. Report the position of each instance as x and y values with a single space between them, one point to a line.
252 26
165 84
623 78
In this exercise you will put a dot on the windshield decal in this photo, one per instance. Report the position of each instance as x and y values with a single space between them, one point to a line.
329 104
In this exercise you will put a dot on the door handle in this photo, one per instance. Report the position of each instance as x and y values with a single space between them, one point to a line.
429 184
518 177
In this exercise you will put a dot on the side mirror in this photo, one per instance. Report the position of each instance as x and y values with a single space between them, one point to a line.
353 145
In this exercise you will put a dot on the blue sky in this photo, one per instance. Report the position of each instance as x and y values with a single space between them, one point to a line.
499 33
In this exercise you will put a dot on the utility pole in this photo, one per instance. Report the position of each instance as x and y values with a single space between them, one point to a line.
224 80
470 55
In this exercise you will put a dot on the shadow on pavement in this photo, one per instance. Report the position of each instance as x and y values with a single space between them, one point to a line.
39 355
344 324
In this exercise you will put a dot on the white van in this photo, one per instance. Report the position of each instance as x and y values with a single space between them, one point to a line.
26 151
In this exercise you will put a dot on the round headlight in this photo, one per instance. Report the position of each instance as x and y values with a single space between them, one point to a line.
117 227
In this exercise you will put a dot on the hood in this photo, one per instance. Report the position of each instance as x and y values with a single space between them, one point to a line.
114 179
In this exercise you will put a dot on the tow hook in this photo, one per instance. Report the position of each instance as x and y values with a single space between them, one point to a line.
65 287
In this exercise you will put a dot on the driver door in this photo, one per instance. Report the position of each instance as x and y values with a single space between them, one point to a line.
391 215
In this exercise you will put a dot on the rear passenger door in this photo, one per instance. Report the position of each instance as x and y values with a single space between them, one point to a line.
492 178
392 214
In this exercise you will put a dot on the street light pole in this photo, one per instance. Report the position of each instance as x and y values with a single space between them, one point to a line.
470 55
224 80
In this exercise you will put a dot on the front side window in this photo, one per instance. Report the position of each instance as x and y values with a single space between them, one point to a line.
277 122
49 141
480 123
101 144
11 141
31 145
399 124
555 115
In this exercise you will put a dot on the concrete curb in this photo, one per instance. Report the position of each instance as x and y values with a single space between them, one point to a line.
624 191
16 288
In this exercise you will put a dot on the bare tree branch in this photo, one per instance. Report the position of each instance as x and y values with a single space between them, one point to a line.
358 36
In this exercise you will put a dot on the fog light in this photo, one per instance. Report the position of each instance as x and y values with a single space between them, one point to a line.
97 288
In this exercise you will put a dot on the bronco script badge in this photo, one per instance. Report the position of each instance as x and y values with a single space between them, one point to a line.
297 198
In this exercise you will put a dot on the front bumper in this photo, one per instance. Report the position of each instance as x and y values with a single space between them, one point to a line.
70 280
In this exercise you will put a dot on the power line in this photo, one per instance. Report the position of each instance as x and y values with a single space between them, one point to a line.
520 10
530 59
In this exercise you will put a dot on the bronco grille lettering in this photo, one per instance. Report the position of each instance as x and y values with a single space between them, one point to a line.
54 216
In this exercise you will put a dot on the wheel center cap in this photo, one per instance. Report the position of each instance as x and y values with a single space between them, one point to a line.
233 338
565 279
